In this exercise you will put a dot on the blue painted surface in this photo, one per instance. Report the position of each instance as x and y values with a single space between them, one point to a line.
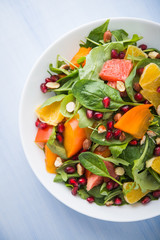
27 210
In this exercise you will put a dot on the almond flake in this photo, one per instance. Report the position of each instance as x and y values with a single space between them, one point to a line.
143 140
109 203
151 133
80 169
119 171
153 55
52 85
58 162
101 129
158 141
70 107
120 86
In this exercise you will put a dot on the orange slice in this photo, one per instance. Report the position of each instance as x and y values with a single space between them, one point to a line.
135 52
50 114
154 163
132 195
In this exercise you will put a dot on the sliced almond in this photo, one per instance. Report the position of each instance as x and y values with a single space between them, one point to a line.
109 203
119 171
86 144
143 140
58 162
117 117
122 137
153 55
158 141
158 110
80 169
52 85
101 129
120 86
70 107
151 133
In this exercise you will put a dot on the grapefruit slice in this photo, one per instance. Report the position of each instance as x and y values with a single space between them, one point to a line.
116 70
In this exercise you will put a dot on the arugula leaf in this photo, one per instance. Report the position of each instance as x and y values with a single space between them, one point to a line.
95 192
72 75
95 165
96 58
112 194
120 34
131 41
91 93
83 120
155 175
67 86
151 50
58 177
53 99
58 70
96 35
83 193
129 80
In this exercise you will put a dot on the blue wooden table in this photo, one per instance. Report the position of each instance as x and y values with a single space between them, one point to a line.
27 210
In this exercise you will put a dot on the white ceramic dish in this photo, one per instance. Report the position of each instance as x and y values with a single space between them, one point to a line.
32 96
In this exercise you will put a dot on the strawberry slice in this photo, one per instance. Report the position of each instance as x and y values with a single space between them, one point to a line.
116 70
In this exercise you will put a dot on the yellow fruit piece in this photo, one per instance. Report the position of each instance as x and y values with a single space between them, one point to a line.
132 195
135 52
154 163
150 81
50 114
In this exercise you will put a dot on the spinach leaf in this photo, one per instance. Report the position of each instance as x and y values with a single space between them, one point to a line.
83 120
67 86
53 99
99 201
155 175
61 170
83 193
116 150
91 93
57 148
96 35
129 80
145 180
131 41
95 165
58 70
72 75
58 177
116 161
66 100
112 194
96 58
101 139
120 34
95 192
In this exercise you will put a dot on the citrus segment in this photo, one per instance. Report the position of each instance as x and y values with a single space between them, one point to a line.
154 163
151 96
149 76
135 52
132 195
50 114
116 70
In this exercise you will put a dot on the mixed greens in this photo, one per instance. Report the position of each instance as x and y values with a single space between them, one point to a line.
99 132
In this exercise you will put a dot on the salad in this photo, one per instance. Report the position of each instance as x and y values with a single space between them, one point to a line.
100 131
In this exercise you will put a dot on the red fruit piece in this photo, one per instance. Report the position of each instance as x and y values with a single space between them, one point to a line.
110 125
82 181
70 170
157 151
59 137
156 194
93 180
138 97
43 87
109 135
110 185
90 199
116 70
117 201
73 181
74 191
106 102
98 115
143 46
114 54
140 71
146 200
158 89
117 133
133 142
61 127
89 113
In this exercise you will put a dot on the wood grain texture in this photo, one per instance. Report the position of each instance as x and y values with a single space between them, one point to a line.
27 210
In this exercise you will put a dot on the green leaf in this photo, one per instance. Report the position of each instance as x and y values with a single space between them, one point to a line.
58 177
67 86
83 193
72 75
151 50
61 170
155 175
66 100
131 41
120 34
95 60
58 149
95 192
53 99
96 34
116 150
83 120
112 194
81 60
58 70
94 164
52 136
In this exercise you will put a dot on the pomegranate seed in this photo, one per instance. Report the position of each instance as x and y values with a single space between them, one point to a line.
70 170
114 54
74 191
60 127
89 113
43 87
98 115
54 78
123 94
116 185
118 201
42 125
143 46
133 142
110 125
37 122
146 200
59 137
138 97
156 194
146 102
90 199
106 102
117 133
140 71
109 135
158 89
121 55
157 151
82 181
125 108
110 185
47 80
73 181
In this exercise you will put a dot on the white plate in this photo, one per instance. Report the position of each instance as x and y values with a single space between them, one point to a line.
32 97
